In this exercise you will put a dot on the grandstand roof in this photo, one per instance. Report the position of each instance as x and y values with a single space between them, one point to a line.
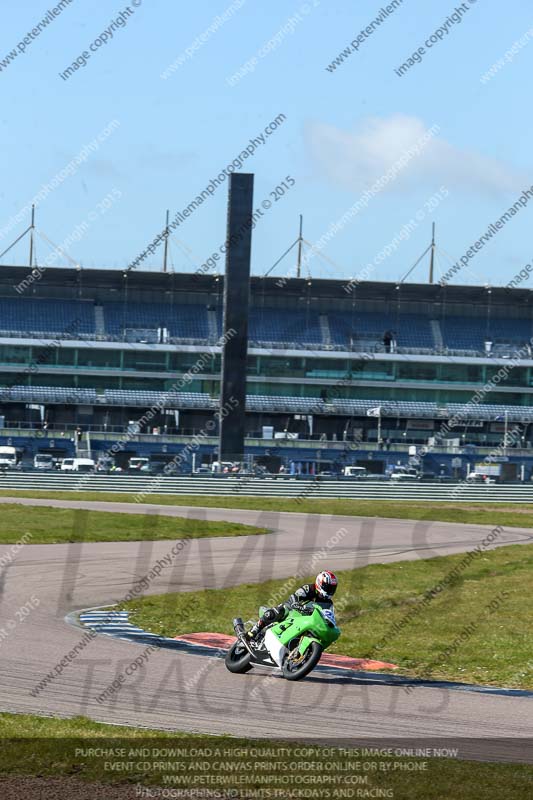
88 283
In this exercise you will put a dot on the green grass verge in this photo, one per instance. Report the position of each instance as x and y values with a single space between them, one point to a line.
381 615
513 515
44 747
47 525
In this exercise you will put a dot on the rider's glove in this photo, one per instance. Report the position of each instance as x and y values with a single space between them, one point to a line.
298 607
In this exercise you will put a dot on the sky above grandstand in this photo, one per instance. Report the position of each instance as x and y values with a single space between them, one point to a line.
371 119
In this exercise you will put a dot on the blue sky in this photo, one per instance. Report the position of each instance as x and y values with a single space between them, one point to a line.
343 130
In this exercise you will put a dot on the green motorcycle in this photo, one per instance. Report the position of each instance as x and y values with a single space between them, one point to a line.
294 645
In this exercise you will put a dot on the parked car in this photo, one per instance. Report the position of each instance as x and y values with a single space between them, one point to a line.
8 458
43 461
427 476
107 464
78 465
355 472
139 464
478 477
405 474
224 467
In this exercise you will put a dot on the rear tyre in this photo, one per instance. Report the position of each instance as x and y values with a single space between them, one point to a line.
294 670
238 658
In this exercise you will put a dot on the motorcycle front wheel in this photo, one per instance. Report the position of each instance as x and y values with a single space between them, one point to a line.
238 658
296 667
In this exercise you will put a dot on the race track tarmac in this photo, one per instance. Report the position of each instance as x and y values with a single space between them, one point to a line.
177 691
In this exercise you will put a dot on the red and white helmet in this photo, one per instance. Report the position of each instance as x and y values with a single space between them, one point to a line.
326 585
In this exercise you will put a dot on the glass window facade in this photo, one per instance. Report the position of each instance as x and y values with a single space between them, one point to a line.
183 362
14 354
270 374
146 361
466 373
98 358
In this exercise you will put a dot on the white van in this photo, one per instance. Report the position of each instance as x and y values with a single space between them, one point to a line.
479 477
78 465
355 472
405 474
139 464
222 466
8 457
43 461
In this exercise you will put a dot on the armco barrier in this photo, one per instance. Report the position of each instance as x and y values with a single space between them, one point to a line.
268 487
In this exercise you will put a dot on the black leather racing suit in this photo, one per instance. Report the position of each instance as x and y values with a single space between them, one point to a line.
305 594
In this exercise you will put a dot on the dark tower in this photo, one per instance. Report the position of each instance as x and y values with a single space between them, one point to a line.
235 324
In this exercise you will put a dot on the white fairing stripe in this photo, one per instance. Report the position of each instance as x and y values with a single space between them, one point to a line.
277 650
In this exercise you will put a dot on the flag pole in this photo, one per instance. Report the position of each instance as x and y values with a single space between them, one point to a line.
505 433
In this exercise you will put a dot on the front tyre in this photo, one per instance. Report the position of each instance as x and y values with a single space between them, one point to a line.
238 658
296 667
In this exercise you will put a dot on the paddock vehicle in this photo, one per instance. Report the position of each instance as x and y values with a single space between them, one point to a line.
405 474
8 458
355 472
294 645
139 464
479 477
43 461
490 472
78 465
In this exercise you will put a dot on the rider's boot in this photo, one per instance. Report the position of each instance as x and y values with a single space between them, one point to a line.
254 630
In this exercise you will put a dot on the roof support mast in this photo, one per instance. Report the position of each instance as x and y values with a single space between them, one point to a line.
300 240
165 253
429 249
432 257
32 228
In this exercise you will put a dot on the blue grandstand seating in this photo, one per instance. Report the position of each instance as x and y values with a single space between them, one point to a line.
516 331
268 403
29 315
470 333
270 327
182 321
49 394
285 326
411 330
136 397
390 408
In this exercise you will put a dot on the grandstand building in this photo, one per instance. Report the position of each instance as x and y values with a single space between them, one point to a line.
337 373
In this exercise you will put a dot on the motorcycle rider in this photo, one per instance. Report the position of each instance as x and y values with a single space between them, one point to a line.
321 591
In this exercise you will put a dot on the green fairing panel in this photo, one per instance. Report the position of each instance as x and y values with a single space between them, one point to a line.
297 625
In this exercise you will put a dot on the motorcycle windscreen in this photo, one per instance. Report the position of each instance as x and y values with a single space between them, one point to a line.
276 649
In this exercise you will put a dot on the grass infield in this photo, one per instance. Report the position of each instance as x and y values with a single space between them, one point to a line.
71 750
512 514
477 627
47 525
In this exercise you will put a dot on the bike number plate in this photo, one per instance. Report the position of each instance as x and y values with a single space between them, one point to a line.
329 615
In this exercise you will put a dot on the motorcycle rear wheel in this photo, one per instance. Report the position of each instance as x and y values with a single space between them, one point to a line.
238 658
295 671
